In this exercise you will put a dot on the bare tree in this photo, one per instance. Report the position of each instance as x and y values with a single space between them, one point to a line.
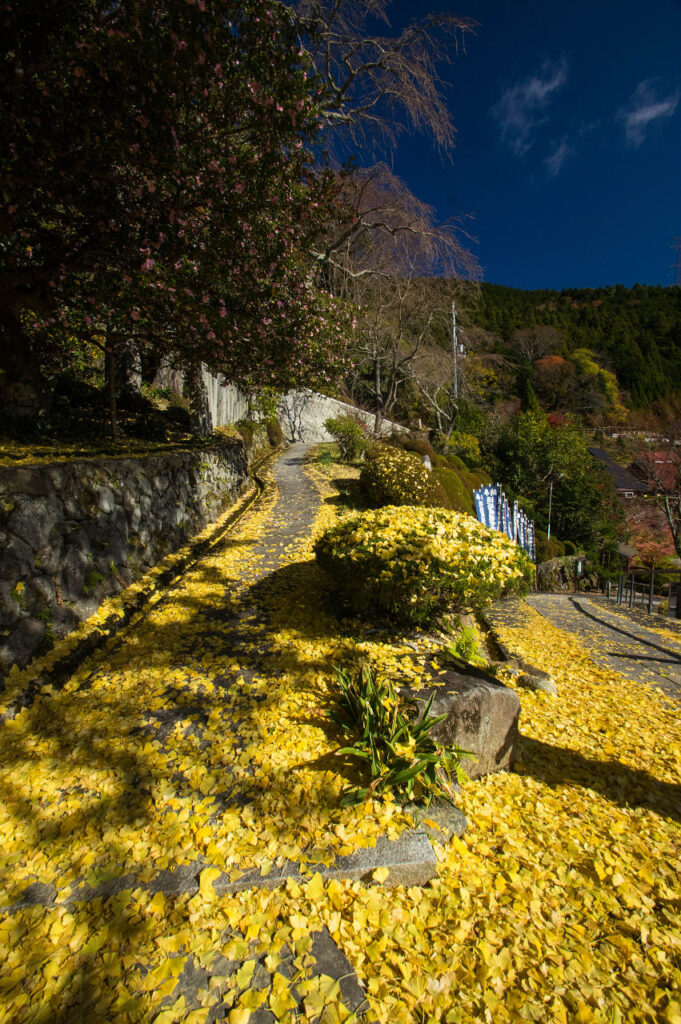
376 85
384 242
660 467
382 229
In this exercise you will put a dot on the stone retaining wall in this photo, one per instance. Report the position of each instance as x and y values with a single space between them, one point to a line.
73 533
301 412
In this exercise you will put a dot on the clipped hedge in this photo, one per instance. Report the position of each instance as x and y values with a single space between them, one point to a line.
455 487
275 435
350 435
391 476
413 563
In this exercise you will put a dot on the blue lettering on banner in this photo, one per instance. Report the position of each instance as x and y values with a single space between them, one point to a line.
493 510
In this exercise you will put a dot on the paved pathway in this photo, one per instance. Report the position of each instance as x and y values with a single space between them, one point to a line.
614 640
188 642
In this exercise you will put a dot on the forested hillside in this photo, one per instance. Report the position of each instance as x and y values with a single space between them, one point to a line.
636 331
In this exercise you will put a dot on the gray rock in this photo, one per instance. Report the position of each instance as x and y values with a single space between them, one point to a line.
40 593
410 861
481 717
75 564
48 558
22 644
85 607
535 679
16 559
332 962
33 519
26 480
449 819
9 609
107 500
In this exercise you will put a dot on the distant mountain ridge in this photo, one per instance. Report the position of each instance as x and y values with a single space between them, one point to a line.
635 331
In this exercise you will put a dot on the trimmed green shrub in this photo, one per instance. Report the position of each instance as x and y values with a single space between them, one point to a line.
458 493
420 445
547 549
275 435
456 462
394 477
411 564
349 435
247 430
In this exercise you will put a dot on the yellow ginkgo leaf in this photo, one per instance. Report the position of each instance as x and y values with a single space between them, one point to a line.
206 879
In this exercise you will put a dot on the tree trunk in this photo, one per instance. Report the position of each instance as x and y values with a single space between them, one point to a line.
201 422
378 391
110 375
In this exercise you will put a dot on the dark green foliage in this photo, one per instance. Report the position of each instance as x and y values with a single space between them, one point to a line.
275 435
179 415
247 430
349 435
393 740
637 330
548 548
459 495
532 454
419 445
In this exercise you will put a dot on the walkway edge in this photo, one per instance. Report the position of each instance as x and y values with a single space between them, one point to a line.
160 576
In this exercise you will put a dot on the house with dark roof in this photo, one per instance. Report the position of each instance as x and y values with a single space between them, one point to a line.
627 485
661 471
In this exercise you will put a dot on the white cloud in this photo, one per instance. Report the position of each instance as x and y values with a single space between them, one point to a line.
555 160
644 107
520 110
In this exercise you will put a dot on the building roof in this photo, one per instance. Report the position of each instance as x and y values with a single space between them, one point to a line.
623 479
660 470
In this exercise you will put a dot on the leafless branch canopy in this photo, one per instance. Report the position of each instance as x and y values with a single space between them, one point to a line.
377 84
383 229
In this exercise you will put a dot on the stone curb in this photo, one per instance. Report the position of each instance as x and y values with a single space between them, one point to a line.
529 676
60 672
410 860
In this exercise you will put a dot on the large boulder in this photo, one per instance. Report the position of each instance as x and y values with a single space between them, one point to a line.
481 716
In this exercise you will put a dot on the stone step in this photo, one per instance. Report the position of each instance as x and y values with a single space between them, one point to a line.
410 860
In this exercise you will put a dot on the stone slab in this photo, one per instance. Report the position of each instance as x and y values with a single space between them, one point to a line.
410 860
448 821
481 716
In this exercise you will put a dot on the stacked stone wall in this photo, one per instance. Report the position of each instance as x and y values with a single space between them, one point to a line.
74 533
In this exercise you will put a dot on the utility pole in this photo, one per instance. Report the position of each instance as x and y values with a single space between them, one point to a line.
454 347
457 350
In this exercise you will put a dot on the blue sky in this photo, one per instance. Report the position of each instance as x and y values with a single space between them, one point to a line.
568 153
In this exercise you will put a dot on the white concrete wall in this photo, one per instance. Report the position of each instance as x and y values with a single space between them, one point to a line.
301 412
227 403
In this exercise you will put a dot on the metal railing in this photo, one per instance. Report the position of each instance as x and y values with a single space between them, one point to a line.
641 589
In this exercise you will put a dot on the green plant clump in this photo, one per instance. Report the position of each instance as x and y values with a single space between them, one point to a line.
247 430
467 647
412 564
349 435
396 744
394 477
459 495
275 435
